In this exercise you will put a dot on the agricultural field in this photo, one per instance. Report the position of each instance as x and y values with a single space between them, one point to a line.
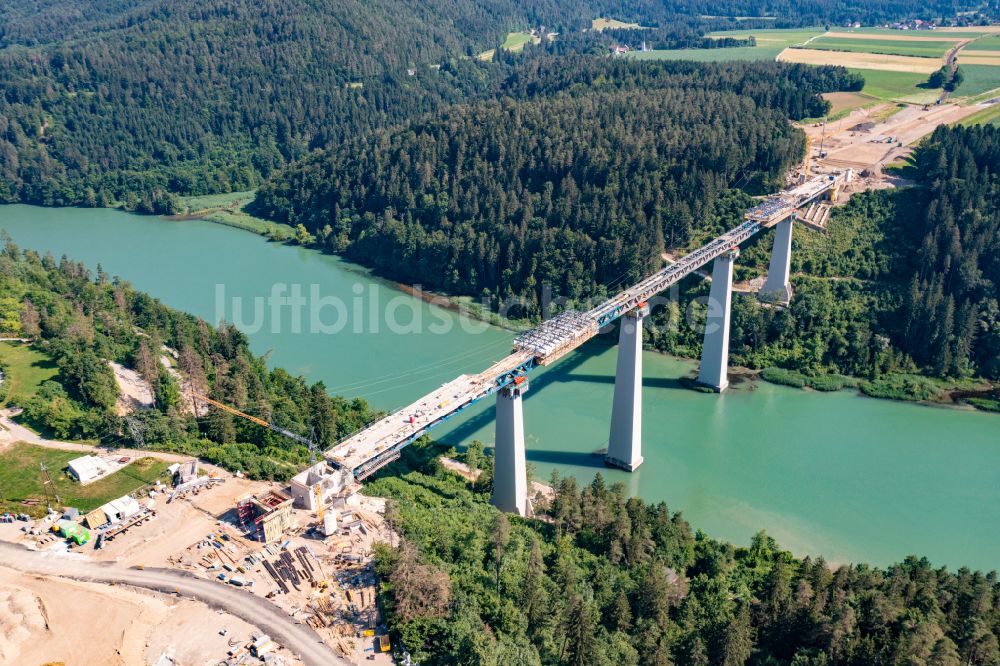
897 86
20 479
844 102
940 33
770 43
978 79
904 47
25 370
880 61
986 44
600 24
516 41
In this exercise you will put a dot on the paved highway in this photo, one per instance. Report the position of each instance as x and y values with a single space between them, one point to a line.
299 638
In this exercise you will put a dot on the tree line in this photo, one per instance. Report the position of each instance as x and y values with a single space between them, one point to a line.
83 321
902 281
605 579
577 182
129 103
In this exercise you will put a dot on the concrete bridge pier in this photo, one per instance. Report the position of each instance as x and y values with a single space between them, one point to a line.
510 475
777 288
625 440
715 350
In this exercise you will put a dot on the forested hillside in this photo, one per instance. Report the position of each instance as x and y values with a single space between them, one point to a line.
578 189
616 581
903 281
83 321
134 101
952 311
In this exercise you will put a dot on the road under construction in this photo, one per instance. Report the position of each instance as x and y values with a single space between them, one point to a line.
380 443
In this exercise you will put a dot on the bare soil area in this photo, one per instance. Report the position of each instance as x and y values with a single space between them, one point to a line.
862 142
134 392
48 620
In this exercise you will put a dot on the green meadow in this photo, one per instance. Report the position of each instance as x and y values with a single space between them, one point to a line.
770 43
926 49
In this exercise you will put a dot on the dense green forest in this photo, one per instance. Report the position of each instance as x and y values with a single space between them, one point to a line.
579 182
903 280
83 321
132 102
612 580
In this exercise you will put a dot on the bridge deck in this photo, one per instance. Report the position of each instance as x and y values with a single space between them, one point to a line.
380 442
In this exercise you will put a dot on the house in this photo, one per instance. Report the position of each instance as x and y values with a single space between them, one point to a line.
88 468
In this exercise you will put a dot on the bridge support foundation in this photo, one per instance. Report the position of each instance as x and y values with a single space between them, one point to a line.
510 475
625 440
777 287
715 350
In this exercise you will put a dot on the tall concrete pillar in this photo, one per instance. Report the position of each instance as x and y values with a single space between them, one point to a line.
510 475
777 288
625 440
715 350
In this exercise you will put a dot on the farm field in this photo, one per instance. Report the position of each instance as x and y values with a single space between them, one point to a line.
20 478
978 79
842 102
901 86
888 63
859 44
26 369
986 44
770 43
600 24
940 33
899 36
516 41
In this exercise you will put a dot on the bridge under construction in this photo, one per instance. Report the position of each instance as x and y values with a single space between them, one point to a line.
381 442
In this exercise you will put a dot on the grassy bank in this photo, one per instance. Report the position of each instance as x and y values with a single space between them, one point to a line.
24 369
230 210
21 479
897 386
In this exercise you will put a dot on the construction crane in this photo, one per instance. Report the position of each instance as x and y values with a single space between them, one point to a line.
253 419
809 148
317 489
320 509
50 488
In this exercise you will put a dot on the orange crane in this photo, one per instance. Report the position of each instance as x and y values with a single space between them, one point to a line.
254 419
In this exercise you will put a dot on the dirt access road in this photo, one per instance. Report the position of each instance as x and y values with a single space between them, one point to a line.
298 638
869 148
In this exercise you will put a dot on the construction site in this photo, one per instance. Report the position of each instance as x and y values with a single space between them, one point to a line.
304 549
867 140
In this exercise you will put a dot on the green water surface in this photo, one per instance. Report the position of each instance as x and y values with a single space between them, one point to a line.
838 475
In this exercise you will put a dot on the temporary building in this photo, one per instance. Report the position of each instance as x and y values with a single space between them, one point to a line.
95 519
121 508
88 468
73 531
